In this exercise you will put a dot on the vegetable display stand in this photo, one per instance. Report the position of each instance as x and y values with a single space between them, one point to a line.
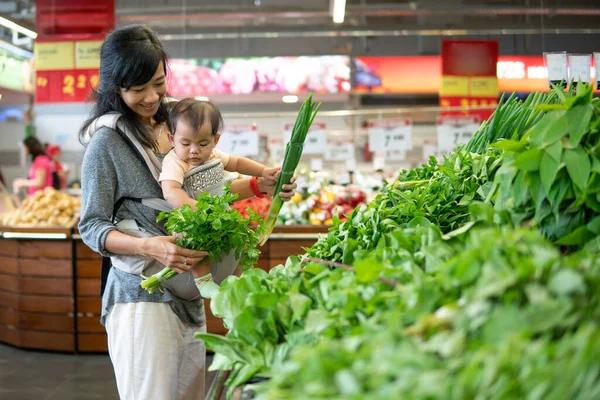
37 288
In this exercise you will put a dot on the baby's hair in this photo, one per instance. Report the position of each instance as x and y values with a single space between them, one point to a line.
195 113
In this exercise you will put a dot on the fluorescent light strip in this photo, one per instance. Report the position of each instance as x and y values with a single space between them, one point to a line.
23 235
15 27
339 11
16 50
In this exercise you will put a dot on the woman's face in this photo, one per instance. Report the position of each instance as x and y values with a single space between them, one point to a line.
145 99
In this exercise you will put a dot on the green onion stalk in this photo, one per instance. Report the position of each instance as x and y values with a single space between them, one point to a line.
153 282
293 152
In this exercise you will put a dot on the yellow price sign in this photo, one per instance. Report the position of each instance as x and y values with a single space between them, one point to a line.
81 81
54 56
69 85
41 81
94 81
87 54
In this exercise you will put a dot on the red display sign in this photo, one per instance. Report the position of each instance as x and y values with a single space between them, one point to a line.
469 77
66 71
421 74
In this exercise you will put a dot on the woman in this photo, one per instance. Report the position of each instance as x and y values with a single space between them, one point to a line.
40 172
150 337
59 174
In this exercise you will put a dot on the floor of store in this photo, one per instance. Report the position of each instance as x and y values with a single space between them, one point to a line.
27 375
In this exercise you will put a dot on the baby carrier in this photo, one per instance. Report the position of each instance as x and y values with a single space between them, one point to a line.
208 177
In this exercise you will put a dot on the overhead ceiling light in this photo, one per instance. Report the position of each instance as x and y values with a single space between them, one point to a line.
18 28
339 11
290 99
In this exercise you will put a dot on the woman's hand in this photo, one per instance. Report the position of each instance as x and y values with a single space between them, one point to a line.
164 250
19 183
268 186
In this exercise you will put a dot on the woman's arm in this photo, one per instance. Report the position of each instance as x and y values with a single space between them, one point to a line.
37 182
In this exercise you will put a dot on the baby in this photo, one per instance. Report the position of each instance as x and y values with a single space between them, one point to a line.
194 134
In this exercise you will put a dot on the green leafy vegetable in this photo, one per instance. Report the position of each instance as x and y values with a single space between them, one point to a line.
213 227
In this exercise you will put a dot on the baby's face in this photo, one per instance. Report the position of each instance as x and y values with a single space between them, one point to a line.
193 146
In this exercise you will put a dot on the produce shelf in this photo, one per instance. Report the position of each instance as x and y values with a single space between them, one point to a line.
50 285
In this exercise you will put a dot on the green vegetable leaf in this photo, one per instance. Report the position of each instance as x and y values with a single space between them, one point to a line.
555 151
578 165
594 225
577 237
551 128
567 281
548 169
578 118
529 160
510 145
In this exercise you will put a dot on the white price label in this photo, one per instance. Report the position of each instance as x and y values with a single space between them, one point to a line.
339 150
429 150
344 179
239 140
316 139
395 154
580 67
378 162
557 66
276 150
390 134
450 135
597 69
351 164
316 164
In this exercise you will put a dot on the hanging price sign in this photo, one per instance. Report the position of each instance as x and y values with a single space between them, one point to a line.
453 132
430 149
316 139
557 68
239 140
339 149
276 150
580 67
390 135
395 154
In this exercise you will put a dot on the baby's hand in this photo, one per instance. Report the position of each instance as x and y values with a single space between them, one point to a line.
270 173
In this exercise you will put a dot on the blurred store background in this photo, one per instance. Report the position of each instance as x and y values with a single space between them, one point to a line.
377 70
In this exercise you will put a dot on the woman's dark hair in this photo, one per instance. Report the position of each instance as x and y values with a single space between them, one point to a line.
34 147
129 57
195 113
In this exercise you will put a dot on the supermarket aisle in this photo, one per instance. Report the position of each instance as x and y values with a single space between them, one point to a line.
28 375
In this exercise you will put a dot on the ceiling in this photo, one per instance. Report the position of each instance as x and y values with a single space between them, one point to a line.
222 19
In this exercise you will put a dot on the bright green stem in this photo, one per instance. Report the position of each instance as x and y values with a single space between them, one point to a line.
153 282
410 184
271 219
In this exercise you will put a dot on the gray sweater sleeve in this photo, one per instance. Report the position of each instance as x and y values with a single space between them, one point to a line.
98 191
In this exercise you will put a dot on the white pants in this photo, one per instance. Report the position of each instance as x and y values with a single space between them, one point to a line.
154 354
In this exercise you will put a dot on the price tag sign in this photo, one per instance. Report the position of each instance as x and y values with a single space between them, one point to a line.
316 139
276 150
557 68
239 140
390 135
453 132
580 67
430 149
395 155
344 179
379 162
597 69
316 164
339 150
351 164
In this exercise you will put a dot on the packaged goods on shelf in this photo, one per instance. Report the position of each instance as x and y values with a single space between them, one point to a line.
45 208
